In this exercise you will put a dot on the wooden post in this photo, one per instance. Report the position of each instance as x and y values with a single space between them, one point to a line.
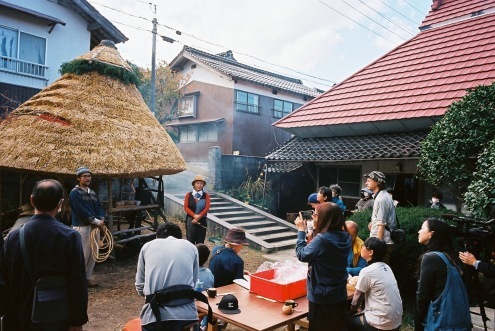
110 204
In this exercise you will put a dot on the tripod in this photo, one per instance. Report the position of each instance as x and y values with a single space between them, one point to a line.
473 279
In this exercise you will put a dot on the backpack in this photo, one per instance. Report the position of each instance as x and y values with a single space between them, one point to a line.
450 311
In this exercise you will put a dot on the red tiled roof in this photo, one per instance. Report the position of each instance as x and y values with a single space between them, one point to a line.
447 9
418 79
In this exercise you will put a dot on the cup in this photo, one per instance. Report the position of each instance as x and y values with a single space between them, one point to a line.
291 303
287 310
212 292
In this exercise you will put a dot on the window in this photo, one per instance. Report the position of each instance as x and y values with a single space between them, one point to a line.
348 178
187 105
281 108
22 52
187 134
207 133
247 102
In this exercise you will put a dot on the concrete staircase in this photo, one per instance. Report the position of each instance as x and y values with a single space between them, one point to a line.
263 231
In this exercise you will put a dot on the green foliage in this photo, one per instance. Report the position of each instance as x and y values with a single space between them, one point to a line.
253 192
449 153
480 196
80 67
169 85
405 256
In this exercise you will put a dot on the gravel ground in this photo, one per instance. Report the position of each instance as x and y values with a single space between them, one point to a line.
115 301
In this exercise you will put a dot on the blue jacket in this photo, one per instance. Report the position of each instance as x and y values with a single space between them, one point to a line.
327 257
84 206
339 203
354 270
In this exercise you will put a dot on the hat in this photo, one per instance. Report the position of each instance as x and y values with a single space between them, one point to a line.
377 176
82 170
198 178
229 305
26 209
236 236
312 198
364 189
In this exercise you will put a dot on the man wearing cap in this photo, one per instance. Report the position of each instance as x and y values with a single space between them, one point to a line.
225 263
366 200
86 214
313 200
196 206
383 215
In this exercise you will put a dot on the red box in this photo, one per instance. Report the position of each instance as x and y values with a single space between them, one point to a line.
262 284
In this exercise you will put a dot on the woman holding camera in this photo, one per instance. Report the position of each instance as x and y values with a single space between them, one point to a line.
326 256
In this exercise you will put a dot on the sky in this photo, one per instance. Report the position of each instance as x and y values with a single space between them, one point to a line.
321 42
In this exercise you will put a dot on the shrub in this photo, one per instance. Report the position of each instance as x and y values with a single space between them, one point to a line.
405 256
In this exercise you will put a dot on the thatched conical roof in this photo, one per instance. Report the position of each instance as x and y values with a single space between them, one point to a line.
88 119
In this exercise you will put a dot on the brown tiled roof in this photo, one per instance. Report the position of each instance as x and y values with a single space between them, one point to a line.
229 66
335 149
416 81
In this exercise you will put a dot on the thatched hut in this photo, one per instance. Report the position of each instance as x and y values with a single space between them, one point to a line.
94 116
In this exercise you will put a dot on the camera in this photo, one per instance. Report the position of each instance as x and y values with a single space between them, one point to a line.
307 214
477 234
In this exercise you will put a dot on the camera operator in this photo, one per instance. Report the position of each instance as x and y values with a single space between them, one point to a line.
485 268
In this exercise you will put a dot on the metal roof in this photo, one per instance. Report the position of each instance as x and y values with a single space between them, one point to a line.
226 64
409 88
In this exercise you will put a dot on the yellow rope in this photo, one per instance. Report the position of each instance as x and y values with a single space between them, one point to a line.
103 246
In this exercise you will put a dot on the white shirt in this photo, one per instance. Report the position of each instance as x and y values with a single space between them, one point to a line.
383 304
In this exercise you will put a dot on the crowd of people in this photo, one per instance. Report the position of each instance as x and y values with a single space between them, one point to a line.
331 247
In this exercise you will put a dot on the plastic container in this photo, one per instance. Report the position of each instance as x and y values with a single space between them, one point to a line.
262 284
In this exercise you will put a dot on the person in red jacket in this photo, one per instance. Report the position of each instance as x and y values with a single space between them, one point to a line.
196 205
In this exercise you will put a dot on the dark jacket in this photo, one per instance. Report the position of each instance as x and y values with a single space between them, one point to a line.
54 249
327 257
84 207
225 265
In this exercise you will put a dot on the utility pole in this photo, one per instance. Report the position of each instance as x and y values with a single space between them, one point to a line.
153 67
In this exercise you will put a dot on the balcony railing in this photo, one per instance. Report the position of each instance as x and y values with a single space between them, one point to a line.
247 107
22 67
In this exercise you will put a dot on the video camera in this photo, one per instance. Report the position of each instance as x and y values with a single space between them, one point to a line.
307 214
476 233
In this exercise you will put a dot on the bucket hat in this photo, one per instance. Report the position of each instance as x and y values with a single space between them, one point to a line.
377 176
236 236
199 178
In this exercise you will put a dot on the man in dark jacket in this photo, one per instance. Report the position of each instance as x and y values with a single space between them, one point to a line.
54 249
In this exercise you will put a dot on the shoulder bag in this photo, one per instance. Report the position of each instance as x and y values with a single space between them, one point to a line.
51 299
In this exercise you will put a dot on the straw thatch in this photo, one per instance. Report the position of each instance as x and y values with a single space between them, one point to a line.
89 120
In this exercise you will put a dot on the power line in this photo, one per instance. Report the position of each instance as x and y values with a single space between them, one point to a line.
398 12
371 19
323 3
387 18
410 4
214 44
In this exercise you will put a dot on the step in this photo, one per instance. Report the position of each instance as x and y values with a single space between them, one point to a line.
243 219
285 244
282 236
226 208
221 203
268 230
254 225
233 213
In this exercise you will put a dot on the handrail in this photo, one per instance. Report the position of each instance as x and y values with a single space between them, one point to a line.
23 67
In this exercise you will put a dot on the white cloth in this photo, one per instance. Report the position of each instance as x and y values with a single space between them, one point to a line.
382 301
383 213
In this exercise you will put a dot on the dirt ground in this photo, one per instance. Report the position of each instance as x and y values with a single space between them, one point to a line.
116 301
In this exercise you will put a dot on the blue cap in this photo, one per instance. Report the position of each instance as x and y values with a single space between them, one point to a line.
312 198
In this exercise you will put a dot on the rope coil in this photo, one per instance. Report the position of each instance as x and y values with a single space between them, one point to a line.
101 246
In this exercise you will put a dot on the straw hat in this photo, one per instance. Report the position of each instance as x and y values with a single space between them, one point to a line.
89 119
236 236
200 179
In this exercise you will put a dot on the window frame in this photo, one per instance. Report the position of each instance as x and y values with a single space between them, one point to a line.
343 183
194 104
250 108
281 111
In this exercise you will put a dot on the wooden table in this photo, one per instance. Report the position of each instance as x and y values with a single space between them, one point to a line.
257 314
